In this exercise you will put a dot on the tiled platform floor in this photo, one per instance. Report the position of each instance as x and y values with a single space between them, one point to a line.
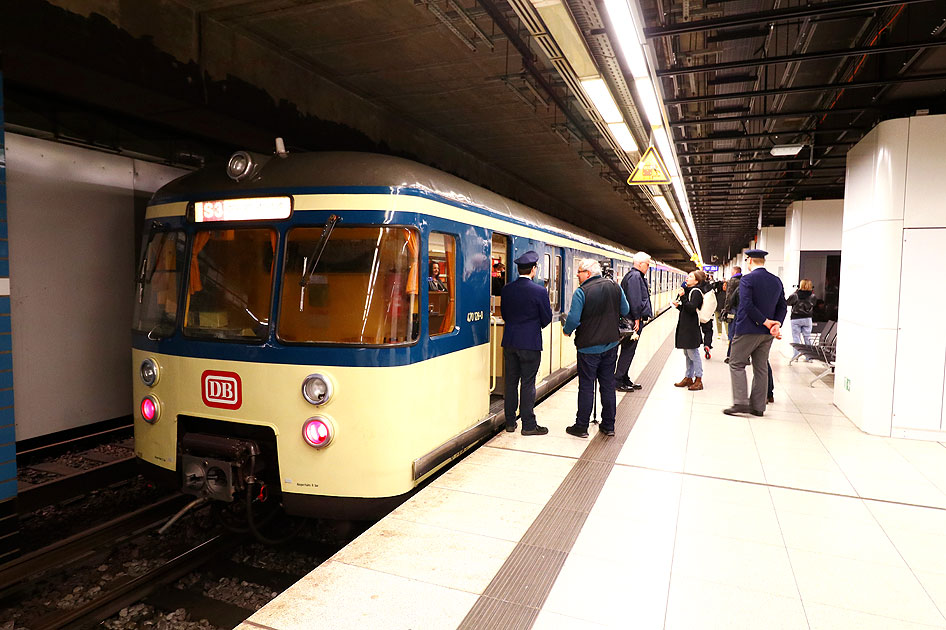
793 520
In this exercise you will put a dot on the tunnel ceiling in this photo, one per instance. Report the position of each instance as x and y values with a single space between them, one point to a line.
738 77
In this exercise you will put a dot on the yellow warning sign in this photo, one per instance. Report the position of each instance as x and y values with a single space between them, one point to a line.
650 170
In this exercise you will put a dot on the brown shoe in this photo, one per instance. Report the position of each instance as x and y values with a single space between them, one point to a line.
697 384
684 383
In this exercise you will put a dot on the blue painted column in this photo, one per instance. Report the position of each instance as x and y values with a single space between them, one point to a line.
9 538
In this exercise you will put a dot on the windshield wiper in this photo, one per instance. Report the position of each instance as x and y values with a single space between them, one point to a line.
319 248
156 228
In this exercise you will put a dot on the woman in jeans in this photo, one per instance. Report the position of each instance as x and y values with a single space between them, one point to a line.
689 336
803 305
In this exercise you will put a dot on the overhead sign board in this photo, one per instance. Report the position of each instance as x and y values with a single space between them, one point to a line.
650 170
711 268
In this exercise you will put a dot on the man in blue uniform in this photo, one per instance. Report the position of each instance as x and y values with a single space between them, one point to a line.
759 318
637 293
597 305
525 309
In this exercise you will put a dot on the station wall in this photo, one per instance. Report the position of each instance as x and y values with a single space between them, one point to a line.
72 214
891 354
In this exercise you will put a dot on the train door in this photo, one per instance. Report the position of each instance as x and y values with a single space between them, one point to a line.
557 257
499 263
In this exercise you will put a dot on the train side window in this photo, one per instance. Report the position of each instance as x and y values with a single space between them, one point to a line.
555 290
441 283
159 284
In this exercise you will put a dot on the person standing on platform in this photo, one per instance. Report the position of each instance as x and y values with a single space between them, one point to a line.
637 292
706 328
803 306
597 305
729 310
526 310
689 332
759 318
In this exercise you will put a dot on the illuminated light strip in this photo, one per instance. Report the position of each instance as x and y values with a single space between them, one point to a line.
249 209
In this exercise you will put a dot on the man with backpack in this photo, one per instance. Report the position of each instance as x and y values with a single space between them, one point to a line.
637 292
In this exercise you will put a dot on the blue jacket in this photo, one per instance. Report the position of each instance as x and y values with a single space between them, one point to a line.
525 309
761 297
638 295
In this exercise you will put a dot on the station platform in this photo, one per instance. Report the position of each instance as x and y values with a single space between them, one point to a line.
686 519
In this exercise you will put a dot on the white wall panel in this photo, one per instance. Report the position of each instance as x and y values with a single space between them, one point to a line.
925 206
921 346
821 225
859 182
792 247
863 380
71 231
870 261
890 169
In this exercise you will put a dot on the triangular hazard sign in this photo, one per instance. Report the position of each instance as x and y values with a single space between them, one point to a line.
650 170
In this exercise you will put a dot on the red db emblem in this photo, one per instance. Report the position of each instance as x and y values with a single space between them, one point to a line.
221 389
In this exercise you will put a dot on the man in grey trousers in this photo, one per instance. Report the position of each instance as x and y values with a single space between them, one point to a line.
759 318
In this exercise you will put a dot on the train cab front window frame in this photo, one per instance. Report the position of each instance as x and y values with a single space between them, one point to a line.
555 285
364 291
158 284
230 284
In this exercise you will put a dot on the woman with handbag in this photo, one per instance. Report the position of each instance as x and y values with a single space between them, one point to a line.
803 305
689 335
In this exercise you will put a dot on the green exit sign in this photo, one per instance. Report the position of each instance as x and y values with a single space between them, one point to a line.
847 384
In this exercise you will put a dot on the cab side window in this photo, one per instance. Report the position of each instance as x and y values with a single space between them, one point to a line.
555 288
441 283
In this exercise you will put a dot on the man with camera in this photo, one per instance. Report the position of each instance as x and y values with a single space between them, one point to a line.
637 292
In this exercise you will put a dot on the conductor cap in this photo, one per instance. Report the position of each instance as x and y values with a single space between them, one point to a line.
756 253
529 258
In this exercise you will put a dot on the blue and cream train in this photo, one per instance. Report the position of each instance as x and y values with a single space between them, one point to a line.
324 327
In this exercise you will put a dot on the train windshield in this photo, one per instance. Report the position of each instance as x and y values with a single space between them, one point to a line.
159 284
364 289
229 288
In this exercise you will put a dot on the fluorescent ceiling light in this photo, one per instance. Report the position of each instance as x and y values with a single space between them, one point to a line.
666 152
627 36
597 90
664 206
648 97
678 187
786 149
623 135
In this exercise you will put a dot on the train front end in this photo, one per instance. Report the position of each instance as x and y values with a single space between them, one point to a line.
272 353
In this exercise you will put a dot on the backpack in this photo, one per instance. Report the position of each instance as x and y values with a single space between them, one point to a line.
708 309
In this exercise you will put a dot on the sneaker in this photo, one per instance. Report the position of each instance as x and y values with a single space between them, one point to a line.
706 352
536 431
606 432
510 428
623 387
636 385
577 431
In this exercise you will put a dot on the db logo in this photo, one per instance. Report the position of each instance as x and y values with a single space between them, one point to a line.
221 389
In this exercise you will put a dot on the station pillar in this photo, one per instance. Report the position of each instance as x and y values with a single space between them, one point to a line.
9 525
891 352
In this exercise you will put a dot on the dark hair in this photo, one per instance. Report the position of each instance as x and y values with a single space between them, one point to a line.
525 269
700 275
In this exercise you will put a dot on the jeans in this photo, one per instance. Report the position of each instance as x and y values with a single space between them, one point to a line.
628 348
694 362
520 369
801 332
600 368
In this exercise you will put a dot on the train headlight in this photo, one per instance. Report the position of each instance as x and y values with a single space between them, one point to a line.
149 372
318 432
150 408
317 389
240 166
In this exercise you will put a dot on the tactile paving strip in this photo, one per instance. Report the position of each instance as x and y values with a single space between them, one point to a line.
516 594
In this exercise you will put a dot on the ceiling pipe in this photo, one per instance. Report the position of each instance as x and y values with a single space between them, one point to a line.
796 114
816 56
776 15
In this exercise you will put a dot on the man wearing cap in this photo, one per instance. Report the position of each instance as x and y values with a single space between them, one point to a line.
637 293
526 310
597 305
758 322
